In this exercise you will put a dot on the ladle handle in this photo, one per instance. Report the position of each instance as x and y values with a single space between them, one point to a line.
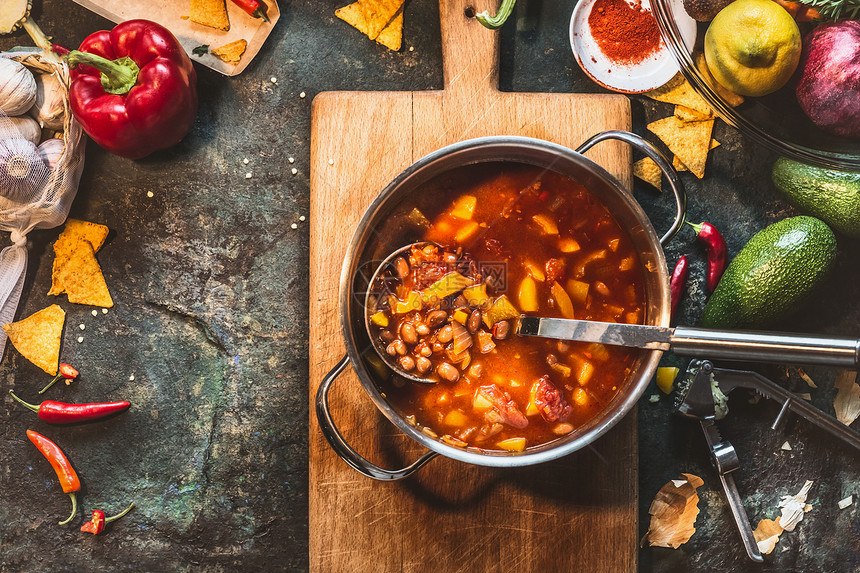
342 449
664 164
766 347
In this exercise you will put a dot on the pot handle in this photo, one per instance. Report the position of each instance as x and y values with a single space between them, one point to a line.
664 164
342 449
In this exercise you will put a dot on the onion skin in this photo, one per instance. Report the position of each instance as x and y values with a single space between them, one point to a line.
828 88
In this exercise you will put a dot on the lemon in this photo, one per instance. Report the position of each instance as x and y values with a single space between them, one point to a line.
752 47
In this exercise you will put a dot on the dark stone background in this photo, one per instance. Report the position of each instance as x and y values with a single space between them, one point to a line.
210 286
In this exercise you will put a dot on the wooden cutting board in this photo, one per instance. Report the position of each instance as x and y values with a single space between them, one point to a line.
575 514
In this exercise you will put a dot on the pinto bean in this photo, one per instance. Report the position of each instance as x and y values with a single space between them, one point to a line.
422 329
401 267
396 347
448 372
407 363
436 318
501 330
445 334
423 364
474 321
408 333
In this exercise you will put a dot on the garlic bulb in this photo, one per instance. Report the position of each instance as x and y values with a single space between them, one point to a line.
17 87
22 170
52 150
27 128
49 108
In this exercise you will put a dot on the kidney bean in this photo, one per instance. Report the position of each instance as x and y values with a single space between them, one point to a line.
423 364
474 321
436 318
448 372
401 267
422 329
408 333
501 330
407 363
445 334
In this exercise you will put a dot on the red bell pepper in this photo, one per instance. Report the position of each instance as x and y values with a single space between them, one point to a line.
134 89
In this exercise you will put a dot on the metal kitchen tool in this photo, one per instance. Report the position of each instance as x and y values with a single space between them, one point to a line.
695 400
691 341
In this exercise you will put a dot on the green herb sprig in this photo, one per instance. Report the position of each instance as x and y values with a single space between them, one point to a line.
836 9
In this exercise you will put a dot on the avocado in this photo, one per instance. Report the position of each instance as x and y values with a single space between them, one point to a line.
772 275
832 196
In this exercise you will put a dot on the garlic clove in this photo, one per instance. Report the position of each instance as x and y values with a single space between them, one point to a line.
23 171
51 151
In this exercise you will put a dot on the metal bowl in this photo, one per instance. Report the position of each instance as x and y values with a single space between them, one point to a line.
762 119
373 240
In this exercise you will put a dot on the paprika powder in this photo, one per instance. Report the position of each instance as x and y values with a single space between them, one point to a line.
625 34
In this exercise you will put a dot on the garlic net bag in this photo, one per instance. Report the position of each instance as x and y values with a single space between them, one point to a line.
37 184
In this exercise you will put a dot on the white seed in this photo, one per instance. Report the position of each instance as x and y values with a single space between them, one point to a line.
248 175
294 226
82 326
411 49
302 218
80 339
292 159
104 311
294 171
150 194
331 161
302 95
246 161
131 378
95 313
273 79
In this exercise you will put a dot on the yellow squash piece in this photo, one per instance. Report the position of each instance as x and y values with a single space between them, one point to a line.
562 300
464 207
528 295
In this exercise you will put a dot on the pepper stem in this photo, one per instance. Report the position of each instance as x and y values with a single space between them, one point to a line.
118 76
697 228
23 403
74 508
51 383
118 515
261 14
497 21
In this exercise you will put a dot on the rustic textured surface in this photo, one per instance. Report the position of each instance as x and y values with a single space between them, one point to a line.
210 285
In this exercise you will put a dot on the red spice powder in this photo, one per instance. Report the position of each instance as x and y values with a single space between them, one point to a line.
625 34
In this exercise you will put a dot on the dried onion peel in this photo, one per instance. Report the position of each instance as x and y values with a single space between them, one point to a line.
673 513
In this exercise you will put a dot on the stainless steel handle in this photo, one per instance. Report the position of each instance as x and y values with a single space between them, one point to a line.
342 449
664 164
766 347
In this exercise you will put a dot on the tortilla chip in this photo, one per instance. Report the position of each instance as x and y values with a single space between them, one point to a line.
731 97
677 91
646 170
369 16
232 52
689 140
38 337
212 13
688 114
81 278
679 166
93 233
392 35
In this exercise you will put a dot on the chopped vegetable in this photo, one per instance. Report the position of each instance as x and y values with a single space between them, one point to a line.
563 369
535 271
412 301
577 290
477 295
466 231
502 309
673 513
568 245
847 402
450 284
512 444
379 319
546 223
528 295
464 207
562 300
666 378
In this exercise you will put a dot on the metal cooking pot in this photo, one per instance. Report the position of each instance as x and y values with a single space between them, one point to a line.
368 247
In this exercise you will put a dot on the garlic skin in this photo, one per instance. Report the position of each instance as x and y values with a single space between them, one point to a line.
52 150
23 172
17 87
49 108
28 128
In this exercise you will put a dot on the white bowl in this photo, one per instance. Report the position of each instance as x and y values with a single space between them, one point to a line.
647 75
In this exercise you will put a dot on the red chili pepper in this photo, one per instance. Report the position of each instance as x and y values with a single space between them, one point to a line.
62 413
717 252
134 89
97 524
65 472
66 371
61 50
676 285
254 8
